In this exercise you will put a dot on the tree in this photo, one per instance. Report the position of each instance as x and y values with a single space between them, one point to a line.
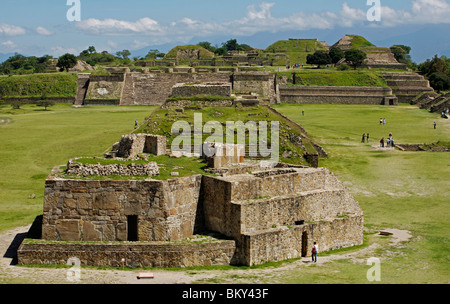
319 58
66 62
244 47
153 54
355 57
220 51
336 54
91 50
435 65
124 54
231 45
45 102
439 81
207 45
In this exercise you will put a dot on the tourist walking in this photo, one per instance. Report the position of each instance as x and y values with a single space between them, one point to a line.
314 251
364 138
382 142
367 137
435 125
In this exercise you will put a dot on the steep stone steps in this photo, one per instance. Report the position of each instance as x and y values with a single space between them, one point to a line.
440 104
407 86
83 86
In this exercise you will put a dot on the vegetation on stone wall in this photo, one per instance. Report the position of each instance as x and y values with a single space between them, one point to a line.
332 77
36 85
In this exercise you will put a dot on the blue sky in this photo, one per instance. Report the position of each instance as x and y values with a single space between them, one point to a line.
41 27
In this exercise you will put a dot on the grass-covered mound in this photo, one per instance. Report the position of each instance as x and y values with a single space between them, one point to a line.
359 41
35 85
332 77
295 51
162 120
188 50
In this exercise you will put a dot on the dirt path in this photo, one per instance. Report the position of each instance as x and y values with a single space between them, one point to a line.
31 275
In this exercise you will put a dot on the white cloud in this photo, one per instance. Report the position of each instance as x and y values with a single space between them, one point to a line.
59 50
8 46
263 12
259 18
43 31
11 30
117 27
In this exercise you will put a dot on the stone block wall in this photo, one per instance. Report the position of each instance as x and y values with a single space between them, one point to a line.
272 212
132 145
261 83
155 88
157 254
295 242
212 89
83 210
76 168
335 95
220 155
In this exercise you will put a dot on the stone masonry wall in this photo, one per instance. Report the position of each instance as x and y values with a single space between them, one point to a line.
155 88
75 168
249 203
82 210
133 254
133 144
213 89
334 95
288 242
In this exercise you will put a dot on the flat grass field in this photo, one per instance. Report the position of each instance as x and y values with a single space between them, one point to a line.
397 190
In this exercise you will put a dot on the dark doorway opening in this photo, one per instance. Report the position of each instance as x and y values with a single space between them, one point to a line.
304 244
132 228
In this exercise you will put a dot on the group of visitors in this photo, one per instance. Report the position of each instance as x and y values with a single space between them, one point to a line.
365 138
389 141
444 113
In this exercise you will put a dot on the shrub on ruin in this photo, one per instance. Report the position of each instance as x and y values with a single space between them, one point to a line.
355 58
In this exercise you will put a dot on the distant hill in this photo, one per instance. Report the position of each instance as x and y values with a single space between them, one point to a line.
189 52
353 41
295 50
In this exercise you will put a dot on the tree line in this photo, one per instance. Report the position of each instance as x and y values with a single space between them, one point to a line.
436 69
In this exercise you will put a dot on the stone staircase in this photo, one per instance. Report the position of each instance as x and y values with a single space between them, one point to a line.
407 86
439 104
288 208
83 86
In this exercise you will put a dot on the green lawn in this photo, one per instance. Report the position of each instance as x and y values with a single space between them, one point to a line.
33 141
402 190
